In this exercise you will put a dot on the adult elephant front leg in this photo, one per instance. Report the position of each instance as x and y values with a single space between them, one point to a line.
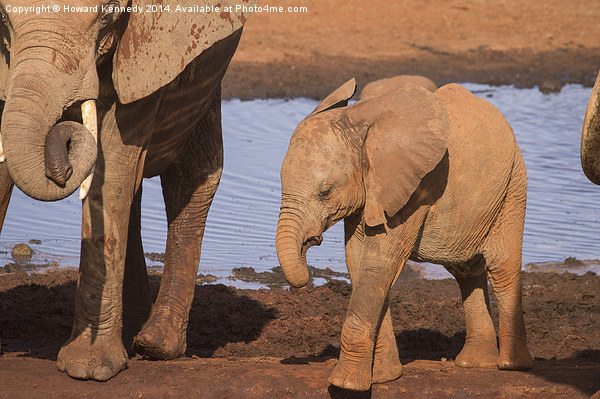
137 300
95 349
188 189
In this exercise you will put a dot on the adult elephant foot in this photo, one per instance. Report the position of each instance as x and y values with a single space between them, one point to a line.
478 352
514 356
161 338
92 358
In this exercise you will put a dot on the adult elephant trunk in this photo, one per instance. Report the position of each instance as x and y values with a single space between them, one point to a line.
47 161
590 136
292 242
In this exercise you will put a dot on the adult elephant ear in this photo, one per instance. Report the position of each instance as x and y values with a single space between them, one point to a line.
406 138
4 61
338 98
157 45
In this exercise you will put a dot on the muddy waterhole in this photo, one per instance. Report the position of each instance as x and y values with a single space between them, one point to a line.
563 216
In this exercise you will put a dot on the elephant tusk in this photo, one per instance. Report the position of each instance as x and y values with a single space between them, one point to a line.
90 121
2 157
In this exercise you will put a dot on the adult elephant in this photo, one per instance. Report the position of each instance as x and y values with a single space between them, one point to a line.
590 136
155 76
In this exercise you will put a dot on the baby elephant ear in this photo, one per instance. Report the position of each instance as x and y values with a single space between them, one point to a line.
338 98
406 140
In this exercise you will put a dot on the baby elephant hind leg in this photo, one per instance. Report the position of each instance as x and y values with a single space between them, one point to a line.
480 349
188 189
502 252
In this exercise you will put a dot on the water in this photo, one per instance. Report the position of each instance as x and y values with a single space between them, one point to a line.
563 218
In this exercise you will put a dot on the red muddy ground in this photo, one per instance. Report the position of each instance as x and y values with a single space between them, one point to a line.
276 343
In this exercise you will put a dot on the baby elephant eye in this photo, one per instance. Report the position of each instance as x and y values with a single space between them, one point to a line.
325 193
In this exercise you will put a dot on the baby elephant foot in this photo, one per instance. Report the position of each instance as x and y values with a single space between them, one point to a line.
92 358
355 378
385 371
386 364
160 340
478 353
516 357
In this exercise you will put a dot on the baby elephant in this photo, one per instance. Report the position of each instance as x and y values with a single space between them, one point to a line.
432 177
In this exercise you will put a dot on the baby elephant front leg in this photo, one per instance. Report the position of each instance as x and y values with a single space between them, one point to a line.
366 311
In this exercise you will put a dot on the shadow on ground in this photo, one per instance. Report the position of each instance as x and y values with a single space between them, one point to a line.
36 320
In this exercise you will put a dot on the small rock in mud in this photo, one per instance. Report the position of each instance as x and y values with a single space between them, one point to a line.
571 261
550 85
21 251
205 278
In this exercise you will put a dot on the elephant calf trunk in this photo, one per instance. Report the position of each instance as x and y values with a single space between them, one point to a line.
291 252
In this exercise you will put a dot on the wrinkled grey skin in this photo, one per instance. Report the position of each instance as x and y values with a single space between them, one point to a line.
433 177
590 136
156 79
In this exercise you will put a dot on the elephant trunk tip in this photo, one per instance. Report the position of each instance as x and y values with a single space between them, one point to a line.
60 173
56 153
299 281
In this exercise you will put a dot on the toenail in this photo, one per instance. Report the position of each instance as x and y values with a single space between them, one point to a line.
78 370
102 373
